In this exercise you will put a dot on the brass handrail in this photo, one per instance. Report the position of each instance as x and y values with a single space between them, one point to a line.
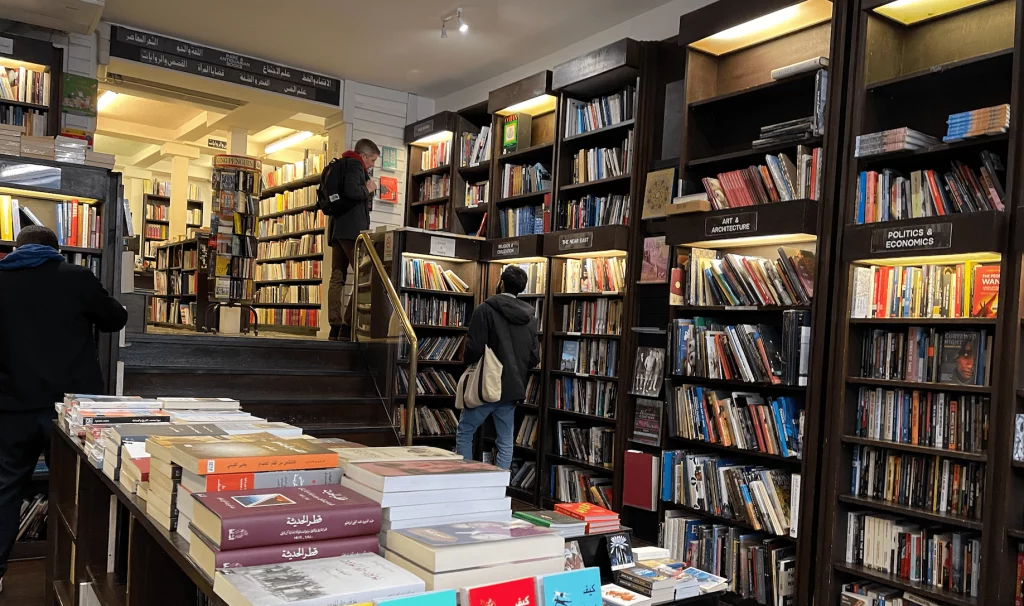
363 240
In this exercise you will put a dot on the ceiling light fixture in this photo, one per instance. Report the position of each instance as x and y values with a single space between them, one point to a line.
287 142
457 16
105 99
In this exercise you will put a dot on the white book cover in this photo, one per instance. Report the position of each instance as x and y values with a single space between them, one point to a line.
324 582
394 514
487 516
614 595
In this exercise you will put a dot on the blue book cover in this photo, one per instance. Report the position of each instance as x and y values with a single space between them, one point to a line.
862 190
780 428
572 588
431 598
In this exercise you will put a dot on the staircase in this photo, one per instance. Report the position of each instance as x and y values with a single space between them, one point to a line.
330 389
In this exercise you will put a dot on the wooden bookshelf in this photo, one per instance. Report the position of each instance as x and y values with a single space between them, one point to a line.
397 249
527 253
471 219
726 98
181 279
445 128
532 99
919 87
156 230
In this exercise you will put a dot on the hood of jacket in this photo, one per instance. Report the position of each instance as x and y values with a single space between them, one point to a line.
514 311
29 255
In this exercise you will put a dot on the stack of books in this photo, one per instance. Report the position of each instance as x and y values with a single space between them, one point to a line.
988 121
896 139
462 555
565 525
41 148
10 140
69 149
94 158
78 411
423 490
598 518
355 579
279 524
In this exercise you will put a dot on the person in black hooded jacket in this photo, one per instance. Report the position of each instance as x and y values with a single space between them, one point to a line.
508 326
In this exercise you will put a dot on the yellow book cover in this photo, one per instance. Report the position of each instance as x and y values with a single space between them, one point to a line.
6 222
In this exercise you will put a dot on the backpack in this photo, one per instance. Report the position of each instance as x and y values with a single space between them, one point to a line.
329 194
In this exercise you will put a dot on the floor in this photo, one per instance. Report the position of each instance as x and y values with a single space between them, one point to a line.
23 584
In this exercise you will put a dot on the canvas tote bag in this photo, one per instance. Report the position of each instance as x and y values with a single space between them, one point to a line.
480 383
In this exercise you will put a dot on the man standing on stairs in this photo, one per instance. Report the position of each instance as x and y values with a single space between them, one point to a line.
49 310
349 216
507 325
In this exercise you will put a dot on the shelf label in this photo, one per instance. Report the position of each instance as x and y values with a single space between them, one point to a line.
730 225
7 46
579 241
573 333
930 236
442 247
506 249
740 308
423 128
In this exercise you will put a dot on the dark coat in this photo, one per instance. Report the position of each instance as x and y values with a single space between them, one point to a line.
508 326
47 317
356 219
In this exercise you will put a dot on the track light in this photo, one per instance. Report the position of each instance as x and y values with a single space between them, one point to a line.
105 99
457 15
286 142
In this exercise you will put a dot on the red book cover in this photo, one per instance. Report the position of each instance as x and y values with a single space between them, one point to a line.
290 552
985 291
640 481
520 592
271 516
588 512
74 224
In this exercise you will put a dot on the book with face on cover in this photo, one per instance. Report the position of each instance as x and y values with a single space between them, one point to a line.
520 592
573 588
404 476
241 455
463 545
270 516
326 582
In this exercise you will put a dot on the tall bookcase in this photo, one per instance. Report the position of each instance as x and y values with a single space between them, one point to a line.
435 315
291 243
156 224
180 280
729 97
527 253
437 189
525 122
473 167
914 66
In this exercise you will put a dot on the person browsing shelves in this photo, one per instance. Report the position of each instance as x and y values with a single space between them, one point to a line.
48 312
507 325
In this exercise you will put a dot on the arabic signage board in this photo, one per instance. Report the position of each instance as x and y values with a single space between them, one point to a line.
182 56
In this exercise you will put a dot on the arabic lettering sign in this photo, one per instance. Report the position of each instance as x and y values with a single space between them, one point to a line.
154 49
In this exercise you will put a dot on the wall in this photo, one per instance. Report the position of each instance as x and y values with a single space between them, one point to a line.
656 24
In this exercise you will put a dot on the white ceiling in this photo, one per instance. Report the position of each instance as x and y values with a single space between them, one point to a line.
391 43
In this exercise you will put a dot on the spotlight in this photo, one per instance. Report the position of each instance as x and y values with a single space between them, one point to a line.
463 26
457 15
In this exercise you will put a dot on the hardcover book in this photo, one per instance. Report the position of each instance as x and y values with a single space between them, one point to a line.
654 267
403 476
985 292
220 482
658 192
326 582
519 592
463 545
348 455
253 518
574 588
236 456
548 519
620 551
650 371
959 357
211 559
588 512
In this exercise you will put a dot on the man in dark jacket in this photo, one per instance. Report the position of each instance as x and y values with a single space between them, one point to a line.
357 189
507 325
48 311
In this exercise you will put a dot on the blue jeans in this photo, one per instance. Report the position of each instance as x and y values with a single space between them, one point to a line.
504 422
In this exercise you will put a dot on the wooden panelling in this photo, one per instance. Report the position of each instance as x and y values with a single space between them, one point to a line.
754 65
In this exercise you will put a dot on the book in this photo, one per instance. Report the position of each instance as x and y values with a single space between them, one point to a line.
649 371
221 482
583 116
654 267
424 497
402 476
573 557
985 291
570 356
572 588
565 525
587 512
647 418
458 579
614 595
960 357
347 580
509 593
254 518
808 65
237 456
1018 437
447 597
447 547
640 484
210 558
620 551
658 192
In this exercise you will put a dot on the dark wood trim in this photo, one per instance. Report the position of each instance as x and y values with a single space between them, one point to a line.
600 70
519 91
723 14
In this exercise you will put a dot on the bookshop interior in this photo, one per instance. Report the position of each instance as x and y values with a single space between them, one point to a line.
728 239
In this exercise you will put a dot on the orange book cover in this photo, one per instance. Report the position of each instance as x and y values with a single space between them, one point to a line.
240 456
985 291
588 512
74 224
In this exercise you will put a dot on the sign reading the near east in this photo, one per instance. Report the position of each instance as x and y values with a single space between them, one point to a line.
731 225
931 236
171 53
578 241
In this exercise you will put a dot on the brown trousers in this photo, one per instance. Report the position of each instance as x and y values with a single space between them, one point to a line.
342 257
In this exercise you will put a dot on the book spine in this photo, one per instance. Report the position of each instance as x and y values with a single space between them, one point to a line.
274 528
286 463
275 554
